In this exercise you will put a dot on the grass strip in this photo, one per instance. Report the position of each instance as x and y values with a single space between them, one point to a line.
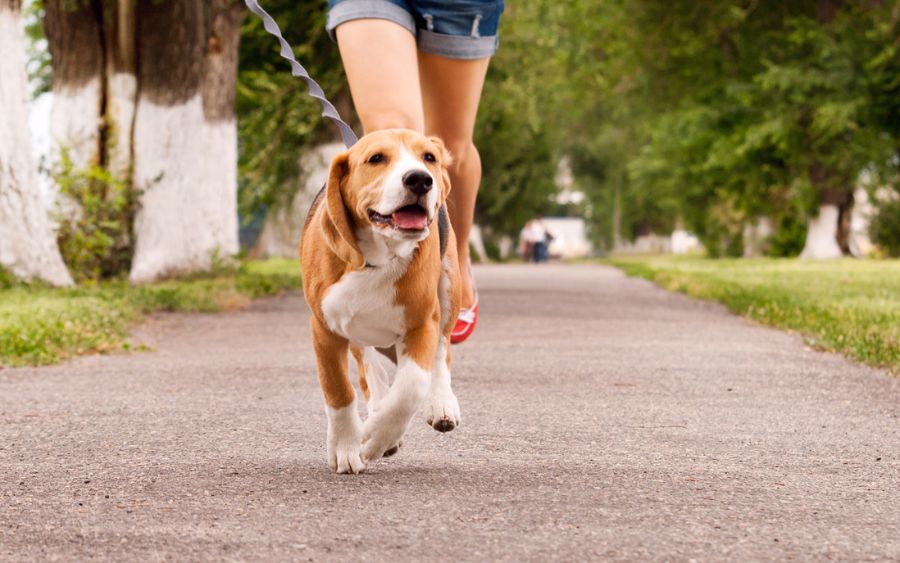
41 325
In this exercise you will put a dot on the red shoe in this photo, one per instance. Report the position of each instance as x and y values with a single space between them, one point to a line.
465 323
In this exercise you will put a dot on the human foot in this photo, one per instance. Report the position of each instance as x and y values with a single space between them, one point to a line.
468 314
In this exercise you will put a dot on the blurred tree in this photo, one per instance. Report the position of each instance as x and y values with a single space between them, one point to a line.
74 39
736 110
277 119
27 245
885 227
518 132
185 136
163 123
285 143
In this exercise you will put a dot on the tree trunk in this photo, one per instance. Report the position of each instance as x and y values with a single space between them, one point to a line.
27 242
94 88
218 90
185 136
828 234
73 32
120 94
617 218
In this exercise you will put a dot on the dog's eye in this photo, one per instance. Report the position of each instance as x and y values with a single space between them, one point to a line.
429 157
376 158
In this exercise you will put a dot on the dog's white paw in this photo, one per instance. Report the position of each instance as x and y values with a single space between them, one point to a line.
343 441
345 459
442 411
382 436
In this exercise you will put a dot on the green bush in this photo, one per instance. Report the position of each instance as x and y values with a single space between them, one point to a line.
95 238
7 280
788 239
885 227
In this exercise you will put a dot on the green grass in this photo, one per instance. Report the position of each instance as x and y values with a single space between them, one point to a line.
41 325
848 306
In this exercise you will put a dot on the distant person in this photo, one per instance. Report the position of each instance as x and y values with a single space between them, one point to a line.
527 238
541 241
544 238
534 241
420 64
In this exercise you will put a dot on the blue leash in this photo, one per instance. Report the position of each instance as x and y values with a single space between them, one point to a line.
328 109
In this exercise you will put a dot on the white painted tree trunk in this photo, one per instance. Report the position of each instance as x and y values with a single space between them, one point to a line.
122 93
75 117
280 235
74 123
185 137
121 88
27 241
861 218
186 168
683 242
821 235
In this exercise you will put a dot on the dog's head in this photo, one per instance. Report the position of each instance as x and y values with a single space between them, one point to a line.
393 182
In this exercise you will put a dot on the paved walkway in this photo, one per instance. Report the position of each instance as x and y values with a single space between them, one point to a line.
602 419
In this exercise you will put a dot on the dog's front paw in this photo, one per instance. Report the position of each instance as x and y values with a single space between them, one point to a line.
344 458
382 437
442 411
343 442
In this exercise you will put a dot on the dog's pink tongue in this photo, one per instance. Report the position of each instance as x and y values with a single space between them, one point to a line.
410 219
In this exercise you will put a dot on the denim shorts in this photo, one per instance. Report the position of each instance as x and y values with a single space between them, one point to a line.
456 29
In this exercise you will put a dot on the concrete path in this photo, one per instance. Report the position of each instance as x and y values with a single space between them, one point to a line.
603 419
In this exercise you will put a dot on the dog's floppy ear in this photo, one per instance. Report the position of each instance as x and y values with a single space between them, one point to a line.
446 160
337 223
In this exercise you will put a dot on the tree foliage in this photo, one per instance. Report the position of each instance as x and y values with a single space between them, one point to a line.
518 131
885 227
276 117
95 236
731 110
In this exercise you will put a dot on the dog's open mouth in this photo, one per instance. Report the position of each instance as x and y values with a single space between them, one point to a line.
408 218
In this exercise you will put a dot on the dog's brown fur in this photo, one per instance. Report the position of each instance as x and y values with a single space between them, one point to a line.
329 250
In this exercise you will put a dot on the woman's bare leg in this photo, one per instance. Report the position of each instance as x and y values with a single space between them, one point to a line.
380 61
394 86
451 89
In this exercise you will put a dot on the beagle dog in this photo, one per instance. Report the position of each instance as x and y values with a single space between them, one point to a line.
380 273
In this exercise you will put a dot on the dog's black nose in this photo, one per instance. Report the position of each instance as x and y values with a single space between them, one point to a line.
418 181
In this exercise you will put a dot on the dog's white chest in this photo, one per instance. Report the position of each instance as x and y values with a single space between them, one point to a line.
361 307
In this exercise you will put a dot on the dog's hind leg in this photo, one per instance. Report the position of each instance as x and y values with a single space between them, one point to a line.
361 371
344 425
378 374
